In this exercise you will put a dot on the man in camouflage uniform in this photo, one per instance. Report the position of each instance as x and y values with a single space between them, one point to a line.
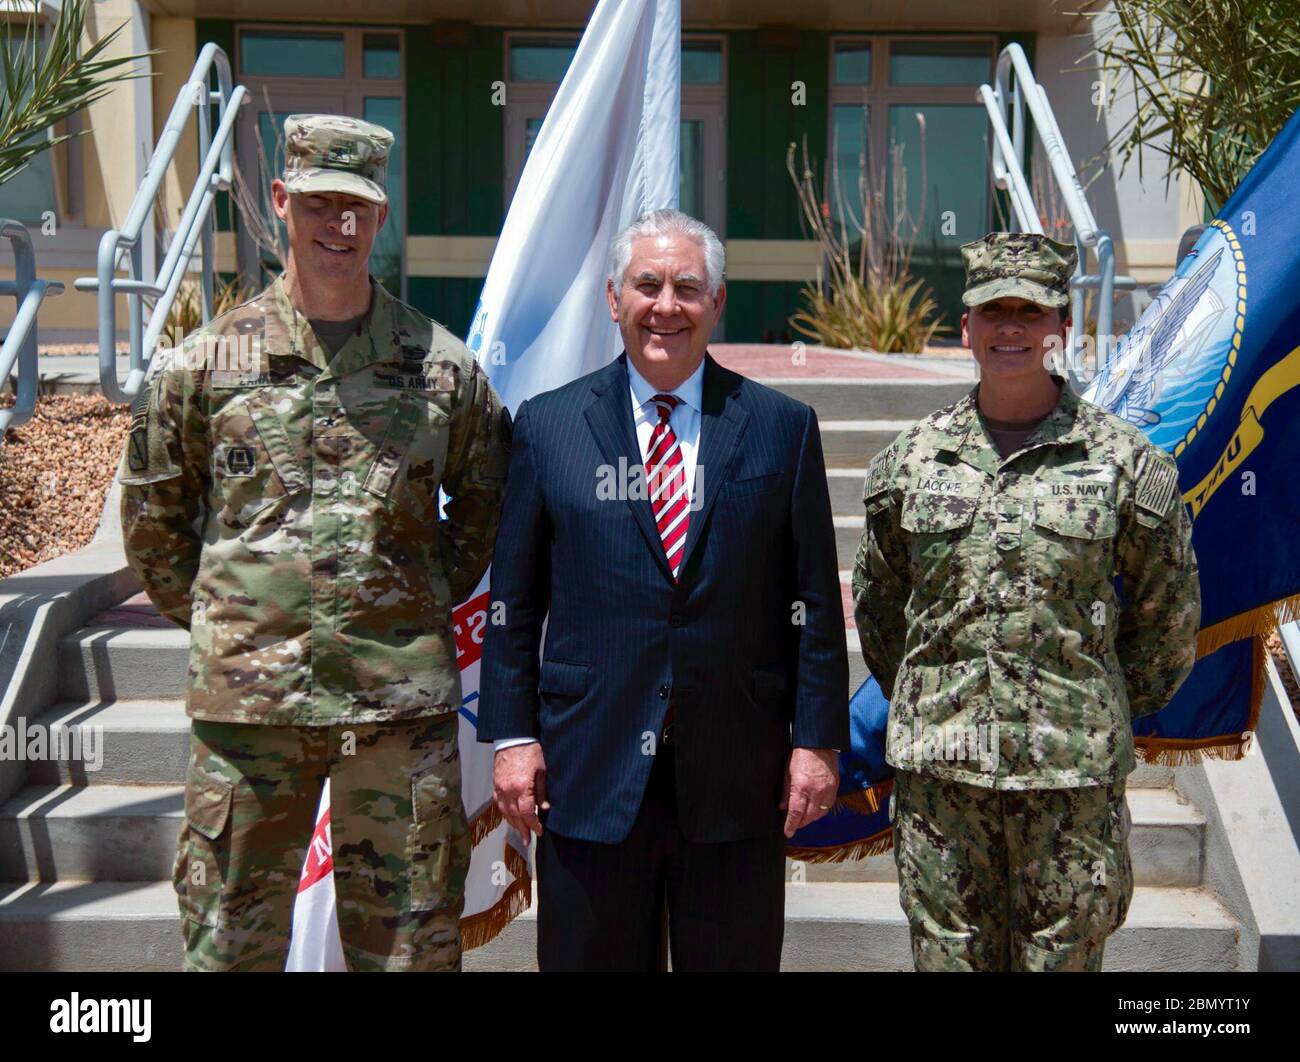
1024 589
280 500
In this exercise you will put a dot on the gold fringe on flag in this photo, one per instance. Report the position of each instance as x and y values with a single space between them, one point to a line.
478 929
876 844
865 801
1175 752
1262 620
487 820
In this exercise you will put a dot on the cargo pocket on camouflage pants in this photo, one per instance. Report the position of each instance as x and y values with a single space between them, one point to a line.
1117 889
437 844
196 875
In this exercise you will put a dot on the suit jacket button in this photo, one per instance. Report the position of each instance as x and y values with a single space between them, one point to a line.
676 620
663 693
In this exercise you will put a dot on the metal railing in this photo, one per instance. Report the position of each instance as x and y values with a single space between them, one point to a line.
1013 90
20 343
122 248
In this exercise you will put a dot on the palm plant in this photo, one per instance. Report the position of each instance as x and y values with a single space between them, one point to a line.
1212 82
44 85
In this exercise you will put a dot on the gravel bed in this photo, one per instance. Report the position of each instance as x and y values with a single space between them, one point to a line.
55 472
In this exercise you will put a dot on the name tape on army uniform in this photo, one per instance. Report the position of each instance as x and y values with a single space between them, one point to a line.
410 381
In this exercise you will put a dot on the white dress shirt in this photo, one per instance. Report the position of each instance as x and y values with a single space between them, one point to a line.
685 422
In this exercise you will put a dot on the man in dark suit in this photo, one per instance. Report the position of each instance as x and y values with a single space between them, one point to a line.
672 520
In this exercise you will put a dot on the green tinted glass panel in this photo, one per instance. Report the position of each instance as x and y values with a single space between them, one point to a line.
849 123
532 127
939 62
386 256
291 54
690 193
541 61
702 63
956 191
853 64
381 55
30 193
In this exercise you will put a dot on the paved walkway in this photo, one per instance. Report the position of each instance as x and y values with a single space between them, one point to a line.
780 361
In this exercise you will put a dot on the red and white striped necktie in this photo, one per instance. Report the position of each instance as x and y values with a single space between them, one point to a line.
670 495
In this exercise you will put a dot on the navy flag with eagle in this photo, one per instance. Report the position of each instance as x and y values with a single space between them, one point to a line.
1211 372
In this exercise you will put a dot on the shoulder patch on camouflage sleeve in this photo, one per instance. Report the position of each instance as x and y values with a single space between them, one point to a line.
1156 488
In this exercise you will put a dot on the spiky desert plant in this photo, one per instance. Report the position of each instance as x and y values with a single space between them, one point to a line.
45 84
1211 83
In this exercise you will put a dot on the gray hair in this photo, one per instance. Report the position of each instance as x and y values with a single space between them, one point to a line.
666 223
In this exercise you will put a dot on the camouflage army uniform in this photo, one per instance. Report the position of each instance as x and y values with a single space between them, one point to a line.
282 504
987 608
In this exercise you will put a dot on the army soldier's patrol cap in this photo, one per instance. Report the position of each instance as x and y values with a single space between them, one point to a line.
335 153
1020 264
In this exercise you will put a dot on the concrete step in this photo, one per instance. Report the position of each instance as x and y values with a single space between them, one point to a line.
90 833
848 537
138 743
831 926
847 398
1166 846
90 925
853 443
845 485
123 663
858 670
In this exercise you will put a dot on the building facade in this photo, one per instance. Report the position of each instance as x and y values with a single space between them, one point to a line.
465 86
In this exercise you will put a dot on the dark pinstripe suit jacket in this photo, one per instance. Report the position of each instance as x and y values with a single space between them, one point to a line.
745 678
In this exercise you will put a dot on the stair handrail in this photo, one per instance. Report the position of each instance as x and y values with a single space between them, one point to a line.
1014 88
123 246
20 343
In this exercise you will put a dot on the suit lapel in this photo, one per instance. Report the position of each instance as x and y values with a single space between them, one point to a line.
722 421
610 419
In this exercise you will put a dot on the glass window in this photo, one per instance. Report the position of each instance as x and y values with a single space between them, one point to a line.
381 55
701 62
849 125
386 255
939 62
852 64
532 127
956 168
541 61
953 204
291 54
30 193
690 188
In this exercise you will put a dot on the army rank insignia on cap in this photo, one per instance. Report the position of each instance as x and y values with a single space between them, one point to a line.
240 461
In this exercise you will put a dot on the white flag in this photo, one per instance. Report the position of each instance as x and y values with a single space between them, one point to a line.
606 154
315 944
